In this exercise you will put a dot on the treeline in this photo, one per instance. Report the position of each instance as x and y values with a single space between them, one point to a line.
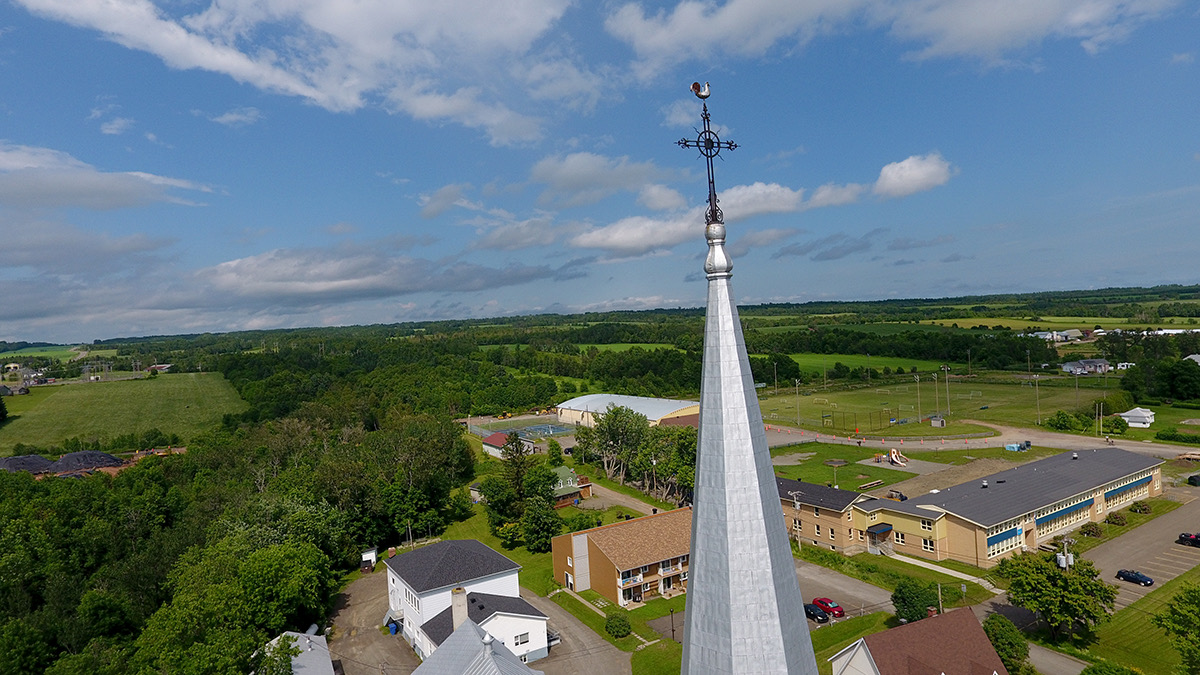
190 563
1162 371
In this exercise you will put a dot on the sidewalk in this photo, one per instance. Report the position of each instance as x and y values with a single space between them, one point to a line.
946 570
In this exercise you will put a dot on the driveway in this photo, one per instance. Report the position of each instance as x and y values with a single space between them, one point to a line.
356 638
603 498
582 651
1151 548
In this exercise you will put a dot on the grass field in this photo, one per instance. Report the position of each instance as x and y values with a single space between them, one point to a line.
184 404
60 352
818 362
871 408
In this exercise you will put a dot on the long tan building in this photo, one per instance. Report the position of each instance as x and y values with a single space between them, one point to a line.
630 561
586 410
980 522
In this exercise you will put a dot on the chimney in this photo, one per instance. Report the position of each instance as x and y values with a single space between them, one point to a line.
458 606
985 483
487 642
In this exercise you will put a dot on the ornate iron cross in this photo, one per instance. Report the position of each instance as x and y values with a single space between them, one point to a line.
710 145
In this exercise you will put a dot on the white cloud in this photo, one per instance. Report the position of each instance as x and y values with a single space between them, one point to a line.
1183 57
639 235
681 113
746 201
116 126
830 194
758 238
585 178
33 177
661 198
915 174
443 198
238 117
425 59
703 31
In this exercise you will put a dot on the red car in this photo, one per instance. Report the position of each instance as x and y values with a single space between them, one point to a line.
831 608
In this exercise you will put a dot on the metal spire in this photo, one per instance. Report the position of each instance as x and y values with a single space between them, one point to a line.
745 613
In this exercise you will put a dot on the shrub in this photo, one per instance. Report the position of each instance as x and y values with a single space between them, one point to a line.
617 624
1008 641
1064 421
1116 519
1115 425
1140 507
1091 530
912 597
1173 435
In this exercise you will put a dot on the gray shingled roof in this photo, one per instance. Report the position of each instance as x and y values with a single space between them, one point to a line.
815 495
468 651
83 461
30 463
448 563
1030 486
652 408
480 606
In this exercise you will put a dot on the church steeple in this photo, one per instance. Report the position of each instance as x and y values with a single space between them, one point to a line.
745 613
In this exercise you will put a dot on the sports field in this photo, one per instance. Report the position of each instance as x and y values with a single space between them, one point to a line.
818 362
183 404
872 409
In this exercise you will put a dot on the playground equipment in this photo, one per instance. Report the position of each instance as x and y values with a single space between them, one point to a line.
897 458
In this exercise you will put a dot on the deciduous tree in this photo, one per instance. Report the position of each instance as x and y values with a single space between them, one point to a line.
1181 620
1009 643
1065 599
540 524
912 599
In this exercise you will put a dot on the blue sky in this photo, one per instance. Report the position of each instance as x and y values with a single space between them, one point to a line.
177 166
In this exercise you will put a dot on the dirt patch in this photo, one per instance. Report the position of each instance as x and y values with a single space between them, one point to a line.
793 458
951 475
1194 420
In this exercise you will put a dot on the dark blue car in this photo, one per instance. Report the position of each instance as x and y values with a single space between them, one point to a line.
816 614
1135 577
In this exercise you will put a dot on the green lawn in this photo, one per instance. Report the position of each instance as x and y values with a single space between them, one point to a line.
849 477
834 637
1130 639
537 569
886 573
184 404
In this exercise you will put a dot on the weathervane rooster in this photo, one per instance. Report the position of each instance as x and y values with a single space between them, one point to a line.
700 93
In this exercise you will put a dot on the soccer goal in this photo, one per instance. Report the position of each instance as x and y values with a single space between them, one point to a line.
821 401
905 406
976 394
883 391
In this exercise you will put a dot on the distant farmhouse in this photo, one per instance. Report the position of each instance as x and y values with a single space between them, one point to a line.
630 561
586 410
570 488
420 594
1086 367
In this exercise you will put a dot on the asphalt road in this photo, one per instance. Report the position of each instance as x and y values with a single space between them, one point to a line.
582 651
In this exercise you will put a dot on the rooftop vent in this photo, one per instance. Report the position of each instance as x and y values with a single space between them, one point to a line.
1074 455
985 484
1002 480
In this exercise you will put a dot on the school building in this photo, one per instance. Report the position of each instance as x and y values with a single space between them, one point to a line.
980 522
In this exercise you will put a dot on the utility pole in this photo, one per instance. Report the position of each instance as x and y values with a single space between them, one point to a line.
968 361
939 598
775 370
1028 363
947 369
937 406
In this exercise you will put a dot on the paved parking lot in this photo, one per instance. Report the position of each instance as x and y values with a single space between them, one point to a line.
1152 549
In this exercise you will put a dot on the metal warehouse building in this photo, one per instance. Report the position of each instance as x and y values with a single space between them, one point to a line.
583 410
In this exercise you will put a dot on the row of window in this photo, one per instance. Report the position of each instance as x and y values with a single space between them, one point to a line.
926 544
1006 545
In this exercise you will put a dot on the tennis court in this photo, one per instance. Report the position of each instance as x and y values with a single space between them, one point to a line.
539 430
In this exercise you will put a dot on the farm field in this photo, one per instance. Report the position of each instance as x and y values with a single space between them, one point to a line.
877 328
1060 322
184 404
871 409
60 352
816 362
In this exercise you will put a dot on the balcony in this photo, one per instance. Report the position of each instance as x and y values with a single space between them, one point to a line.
669 570
626 582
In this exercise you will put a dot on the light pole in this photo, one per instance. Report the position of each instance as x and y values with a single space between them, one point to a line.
937 406
968 361
797 401
775 370
1037 393
917 378
947 369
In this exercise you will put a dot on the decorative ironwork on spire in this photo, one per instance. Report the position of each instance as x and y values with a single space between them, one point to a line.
710 146
718 263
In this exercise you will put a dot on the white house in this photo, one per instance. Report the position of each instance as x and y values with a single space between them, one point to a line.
1138 417
313 658
420 585
470 649
1193 357
494 444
